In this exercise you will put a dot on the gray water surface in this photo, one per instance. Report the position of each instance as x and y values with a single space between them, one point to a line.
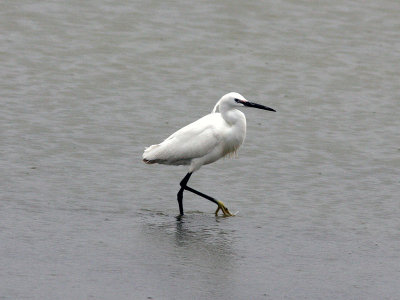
85 86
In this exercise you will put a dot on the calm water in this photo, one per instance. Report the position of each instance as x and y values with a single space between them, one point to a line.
85 86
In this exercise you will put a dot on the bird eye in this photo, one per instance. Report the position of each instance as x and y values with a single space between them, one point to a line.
237 100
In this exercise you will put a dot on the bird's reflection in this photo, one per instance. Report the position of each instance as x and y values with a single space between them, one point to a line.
202 230
197 245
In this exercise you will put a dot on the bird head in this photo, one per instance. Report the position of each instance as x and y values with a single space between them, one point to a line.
236 100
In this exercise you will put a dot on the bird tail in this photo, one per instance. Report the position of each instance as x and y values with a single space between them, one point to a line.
149 154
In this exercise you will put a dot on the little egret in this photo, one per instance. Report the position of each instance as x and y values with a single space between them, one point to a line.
204 141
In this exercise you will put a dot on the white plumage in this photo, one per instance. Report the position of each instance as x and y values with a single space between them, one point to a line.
206 140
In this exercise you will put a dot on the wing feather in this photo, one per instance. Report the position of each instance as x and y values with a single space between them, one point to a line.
192 141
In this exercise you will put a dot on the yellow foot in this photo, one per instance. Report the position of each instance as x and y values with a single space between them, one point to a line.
224 210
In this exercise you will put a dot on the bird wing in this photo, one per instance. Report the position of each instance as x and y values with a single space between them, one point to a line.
192 141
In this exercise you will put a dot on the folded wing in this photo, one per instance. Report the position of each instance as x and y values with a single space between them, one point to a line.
192 141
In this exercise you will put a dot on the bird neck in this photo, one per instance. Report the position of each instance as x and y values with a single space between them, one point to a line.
231 115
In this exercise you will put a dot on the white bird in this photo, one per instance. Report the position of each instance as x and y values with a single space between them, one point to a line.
204 141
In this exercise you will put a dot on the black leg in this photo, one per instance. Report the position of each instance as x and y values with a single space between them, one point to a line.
184 186
180 193
221 205
201 194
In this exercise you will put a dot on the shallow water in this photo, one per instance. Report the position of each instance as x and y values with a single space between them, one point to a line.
86 86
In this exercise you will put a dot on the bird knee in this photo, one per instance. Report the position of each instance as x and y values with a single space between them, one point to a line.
185 180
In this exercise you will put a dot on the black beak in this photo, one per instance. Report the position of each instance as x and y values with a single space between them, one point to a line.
255 105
